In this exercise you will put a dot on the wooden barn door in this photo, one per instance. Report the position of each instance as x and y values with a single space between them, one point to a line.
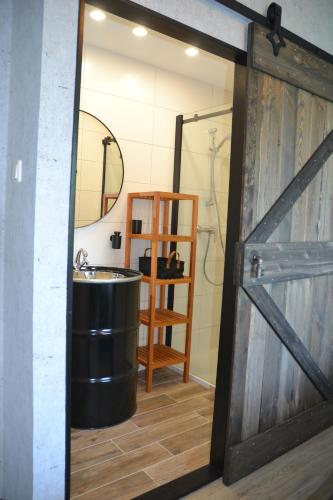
282 381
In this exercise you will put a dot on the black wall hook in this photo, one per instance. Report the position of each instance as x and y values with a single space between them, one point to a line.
274 13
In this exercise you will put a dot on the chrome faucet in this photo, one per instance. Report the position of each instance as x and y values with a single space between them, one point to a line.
81 259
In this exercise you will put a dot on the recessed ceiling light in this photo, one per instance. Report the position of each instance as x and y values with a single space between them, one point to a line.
139 31
191 52
97 15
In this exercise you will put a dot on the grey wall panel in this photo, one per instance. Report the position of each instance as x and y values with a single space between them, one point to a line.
5 42
43 59
308 19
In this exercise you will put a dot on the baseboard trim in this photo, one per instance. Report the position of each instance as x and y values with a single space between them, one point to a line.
195 378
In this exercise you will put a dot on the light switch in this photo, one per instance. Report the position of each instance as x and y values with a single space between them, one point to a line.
17 171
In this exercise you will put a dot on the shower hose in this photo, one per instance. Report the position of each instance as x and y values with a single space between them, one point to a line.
218 216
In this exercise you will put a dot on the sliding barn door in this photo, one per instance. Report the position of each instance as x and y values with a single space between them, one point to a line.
282 381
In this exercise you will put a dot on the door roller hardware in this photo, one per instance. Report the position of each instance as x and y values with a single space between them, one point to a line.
274 13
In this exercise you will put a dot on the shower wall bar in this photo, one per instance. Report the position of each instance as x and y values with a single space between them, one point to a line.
197 117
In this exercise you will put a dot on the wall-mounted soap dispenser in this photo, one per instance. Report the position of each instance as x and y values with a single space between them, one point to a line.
115 239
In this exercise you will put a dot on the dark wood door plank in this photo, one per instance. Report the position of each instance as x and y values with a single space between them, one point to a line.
287 261
274 317
274 442
288 150
293 191
294 64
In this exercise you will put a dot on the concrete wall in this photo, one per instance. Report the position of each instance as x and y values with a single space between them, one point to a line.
308 19
54 149
5 42
19 249
35 252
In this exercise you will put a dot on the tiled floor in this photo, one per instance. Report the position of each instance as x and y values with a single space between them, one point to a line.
168 437
304 473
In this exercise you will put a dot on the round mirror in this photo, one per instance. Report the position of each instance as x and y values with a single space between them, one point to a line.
99 171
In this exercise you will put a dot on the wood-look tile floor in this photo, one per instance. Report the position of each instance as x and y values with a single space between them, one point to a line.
168 437
304 473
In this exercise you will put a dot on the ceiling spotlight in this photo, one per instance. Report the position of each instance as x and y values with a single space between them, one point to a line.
97 15
139 31
191 52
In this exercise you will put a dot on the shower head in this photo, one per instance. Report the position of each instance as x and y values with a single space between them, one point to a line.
212 131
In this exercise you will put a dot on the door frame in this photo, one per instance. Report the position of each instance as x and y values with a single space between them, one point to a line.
170 27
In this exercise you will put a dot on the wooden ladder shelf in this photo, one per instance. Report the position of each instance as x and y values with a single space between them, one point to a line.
158 355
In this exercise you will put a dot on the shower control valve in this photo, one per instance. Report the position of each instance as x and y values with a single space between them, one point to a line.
207 229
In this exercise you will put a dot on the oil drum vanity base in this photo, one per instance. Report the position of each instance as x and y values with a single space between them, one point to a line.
104 342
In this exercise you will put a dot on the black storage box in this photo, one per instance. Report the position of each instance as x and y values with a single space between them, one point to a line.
169 267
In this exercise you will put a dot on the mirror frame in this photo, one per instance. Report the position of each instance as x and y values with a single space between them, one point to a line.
123 175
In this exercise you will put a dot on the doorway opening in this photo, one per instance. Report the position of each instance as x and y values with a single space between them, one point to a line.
152 124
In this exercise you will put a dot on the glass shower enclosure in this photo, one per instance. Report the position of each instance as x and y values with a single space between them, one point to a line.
204 159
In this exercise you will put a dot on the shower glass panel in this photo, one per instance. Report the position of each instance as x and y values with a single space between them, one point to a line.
205 163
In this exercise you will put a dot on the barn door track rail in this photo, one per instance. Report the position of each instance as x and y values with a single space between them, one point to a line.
263 263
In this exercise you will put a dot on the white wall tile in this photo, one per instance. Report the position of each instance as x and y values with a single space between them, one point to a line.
91 176
92 147
196 136
177 92
210 309
110 73
195 171
221 96
127 119
98 245
90 205
162 167
137 161
164 127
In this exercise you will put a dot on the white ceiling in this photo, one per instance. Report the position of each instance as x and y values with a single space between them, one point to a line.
115 34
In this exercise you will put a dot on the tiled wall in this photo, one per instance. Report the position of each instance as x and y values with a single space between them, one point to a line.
139 104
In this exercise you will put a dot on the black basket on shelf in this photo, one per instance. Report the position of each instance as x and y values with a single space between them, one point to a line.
170 267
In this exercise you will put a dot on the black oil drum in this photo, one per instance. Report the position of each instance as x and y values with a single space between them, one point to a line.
104 341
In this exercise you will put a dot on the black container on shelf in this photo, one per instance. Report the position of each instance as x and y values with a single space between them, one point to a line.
104 342
170 267
136 226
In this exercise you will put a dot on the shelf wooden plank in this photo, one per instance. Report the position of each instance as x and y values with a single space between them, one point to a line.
161 237
164 195
163 356
163 317
173 281
146 236
175 237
